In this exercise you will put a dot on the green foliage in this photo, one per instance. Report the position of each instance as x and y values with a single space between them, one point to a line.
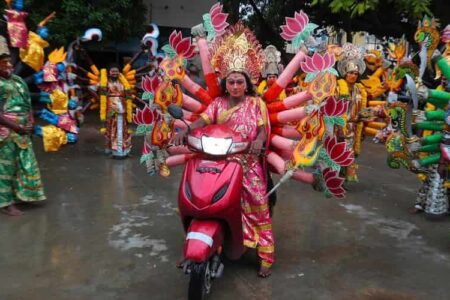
118 19
414 8
379 17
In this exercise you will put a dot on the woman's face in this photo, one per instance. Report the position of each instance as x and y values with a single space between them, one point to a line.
236 85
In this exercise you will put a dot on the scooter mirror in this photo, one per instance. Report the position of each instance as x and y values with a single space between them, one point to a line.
175 112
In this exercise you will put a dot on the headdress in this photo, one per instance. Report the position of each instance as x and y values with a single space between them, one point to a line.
351 60
273 58
237 50
374 58
4 49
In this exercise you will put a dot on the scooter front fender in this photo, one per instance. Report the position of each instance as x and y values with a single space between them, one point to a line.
203 239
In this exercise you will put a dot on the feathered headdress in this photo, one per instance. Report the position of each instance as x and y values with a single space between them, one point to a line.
237 50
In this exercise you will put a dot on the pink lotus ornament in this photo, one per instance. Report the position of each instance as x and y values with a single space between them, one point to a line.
145 116
179 46
334 107
215 22
333 111
297 29
317 63
333 183
150 85
338 152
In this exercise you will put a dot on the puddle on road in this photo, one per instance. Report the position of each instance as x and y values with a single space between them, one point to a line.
397 229
127 234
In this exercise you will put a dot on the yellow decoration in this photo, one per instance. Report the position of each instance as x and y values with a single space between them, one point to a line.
370 131
377 103
124 82
422 177
126 69
103 87
129 110
34 54
92 76
57 56
95 70
60 101
322 87
306 154
343 88
53 138
373 83
102 108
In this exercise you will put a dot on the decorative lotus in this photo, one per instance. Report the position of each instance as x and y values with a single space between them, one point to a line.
334 107
338 152
297 29
145 116
318 63
333 183
179 46
150 84
215 22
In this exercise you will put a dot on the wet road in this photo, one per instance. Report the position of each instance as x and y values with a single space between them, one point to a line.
110 232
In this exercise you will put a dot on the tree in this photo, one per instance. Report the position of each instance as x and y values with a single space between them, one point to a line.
379 17
118 19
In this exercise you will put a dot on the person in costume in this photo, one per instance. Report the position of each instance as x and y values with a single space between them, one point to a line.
350 67
118 139
246 113
20 178
271 71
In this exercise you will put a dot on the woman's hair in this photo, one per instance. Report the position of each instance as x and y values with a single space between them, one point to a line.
250 91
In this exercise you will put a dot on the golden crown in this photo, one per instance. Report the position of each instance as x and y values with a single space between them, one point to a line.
237 50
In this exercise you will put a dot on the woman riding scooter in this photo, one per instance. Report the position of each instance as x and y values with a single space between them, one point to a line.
246 113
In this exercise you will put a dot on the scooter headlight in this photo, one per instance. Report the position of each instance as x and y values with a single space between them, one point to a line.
216 146
238 147
194 142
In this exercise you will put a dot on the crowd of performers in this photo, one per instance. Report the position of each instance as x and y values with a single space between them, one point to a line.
306 119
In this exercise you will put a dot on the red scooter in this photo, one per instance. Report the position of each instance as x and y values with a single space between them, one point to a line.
209 202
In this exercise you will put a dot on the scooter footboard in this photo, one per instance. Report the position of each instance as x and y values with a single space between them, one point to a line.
203 239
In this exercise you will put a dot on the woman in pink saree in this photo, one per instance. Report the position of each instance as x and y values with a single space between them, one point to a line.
246 113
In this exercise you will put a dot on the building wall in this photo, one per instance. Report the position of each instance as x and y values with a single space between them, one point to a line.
177 13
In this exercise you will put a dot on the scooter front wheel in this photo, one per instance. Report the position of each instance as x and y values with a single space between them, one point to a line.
200 281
